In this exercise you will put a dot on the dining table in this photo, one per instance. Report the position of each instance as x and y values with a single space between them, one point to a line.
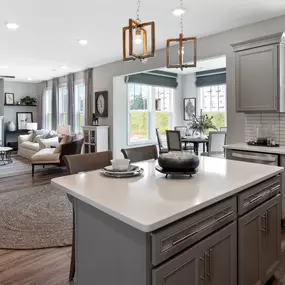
196 142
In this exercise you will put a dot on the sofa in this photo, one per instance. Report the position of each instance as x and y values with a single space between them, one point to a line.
68 145
30 144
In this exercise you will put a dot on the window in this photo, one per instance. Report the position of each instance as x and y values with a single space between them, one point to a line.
47 110
62 105
139 104
163 108
149 108
213 103
79 107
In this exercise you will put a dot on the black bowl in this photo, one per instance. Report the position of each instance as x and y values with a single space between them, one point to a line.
179 161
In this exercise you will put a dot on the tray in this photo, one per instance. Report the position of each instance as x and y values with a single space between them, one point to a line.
111 174
189 172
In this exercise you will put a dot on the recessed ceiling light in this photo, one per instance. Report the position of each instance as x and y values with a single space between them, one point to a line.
3 66
12 26
30 78
179 11
83 42
64 67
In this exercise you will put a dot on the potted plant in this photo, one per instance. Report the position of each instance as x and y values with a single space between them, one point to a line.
28 100
201 124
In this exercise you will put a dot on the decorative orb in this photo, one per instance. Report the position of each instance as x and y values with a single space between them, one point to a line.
178 160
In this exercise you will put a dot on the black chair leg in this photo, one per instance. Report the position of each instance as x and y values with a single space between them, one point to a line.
33 170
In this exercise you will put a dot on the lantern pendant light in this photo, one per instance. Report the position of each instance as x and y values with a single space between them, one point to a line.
181 47
136 34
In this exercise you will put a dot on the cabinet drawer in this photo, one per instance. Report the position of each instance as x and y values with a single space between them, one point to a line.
256 195
176 237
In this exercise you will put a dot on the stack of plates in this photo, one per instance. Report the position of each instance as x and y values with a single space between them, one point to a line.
131 172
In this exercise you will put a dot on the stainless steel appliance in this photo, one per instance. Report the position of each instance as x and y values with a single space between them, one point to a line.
255 157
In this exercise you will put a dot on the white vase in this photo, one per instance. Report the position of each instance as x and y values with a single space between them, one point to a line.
11 126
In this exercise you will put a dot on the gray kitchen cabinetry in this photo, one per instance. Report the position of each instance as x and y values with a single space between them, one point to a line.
259 243
257 74
212 261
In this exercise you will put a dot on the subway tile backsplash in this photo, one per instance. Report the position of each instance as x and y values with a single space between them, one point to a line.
275 122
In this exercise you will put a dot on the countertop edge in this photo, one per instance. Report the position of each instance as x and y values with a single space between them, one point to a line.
171 219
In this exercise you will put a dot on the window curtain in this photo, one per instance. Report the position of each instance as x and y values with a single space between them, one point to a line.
71 102
88 79
54 105
40 103
154 78
211 77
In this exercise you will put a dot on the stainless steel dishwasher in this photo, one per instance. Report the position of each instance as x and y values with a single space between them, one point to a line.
254 157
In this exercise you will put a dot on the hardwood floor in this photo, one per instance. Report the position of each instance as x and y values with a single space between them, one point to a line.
33 267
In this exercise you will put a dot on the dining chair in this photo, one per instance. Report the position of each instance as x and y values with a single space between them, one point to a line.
173 140
162 149
216 142
181 129
79 163
137 154
223 129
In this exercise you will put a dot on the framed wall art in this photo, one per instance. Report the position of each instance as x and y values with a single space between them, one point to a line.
189 108
22 119
9 99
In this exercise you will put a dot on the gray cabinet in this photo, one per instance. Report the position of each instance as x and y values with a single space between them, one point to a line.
259 243
257 74
211 262
257 79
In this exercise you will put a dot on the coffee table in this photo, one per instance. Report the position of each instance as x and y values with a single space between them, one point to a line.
5 155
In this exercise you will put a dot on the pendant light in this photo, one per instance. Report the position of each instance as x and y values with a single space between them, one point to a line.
137 34
181 47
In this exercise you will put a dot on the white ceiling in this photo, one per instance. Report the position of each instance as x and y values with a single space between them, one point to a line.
49 29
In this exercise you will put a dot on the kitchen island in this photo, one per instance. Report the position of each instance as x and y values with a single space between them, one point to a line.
155 231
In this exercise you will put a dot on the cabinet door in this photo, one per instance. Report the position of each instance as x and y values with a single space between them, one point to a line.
257 79
182 270
259 243
249 247
221 258
210 262
271 238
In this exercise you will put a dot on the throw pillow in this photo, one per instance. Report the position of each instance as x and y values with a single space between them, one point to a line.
37 138
38 132
50 134
59 147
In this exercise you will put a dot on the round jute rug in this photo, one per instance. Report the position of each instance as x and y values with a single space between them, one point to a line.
39 217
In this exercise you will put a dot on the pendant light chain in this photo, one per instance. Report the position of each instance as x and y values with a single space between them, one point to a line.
138 11
181 19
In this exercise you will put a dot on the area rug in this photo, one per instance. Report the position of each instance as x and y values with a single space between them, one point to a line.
21 166
39 217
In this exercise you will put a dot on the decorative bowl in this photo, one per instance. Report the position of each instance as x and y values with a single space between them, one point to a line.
120 164
178 161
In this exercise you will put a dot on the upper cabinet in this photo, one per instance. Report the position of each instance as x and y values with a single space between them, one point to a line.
259 75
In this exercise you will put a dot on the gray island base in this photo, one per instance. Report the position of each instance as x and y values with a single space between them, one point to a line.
224 235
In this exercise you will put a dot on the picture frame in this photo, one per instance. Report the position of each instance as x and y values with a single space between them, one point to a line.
189 108
9 99
22 119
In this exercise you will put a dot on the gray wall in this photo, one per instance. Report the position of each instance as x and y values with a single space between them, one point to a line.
20 90
208 47
1 97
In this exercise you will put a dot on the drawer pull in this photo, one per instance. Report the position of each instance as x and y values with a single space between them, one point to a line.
275 188
202 228
184 238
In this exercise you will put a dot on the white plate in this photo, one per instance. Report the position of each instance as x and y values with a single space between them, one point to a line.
131 170
112 174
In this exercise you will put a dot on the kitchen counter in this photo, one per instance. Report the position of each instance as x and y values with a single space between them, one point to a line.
264 149
150 230
150 202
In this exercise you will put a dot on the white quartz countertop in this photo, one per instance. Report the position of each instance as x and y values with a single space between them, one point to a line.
151 201
265 149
